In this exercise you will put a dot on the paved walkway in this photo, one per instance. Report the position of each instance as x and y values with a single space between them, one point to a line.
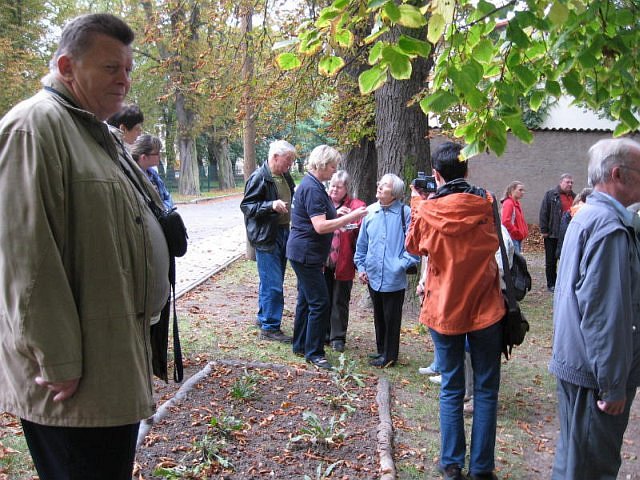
216 238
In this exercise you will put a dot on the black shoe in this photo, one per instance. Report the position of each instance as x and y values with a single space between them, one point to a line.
484 476
374 355
452 472
320 362
337 345
381 362
274 336
298 354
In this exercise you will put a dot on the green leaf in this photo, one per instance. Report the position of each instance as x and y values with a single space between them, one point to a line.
472 149
526 77
413 46
621 129
572 84
411 17
374 36
517 35
340 4
372 79
288 61
399 63
536 100
375 4
376 52
474 98
483 52
438 102
629 119
496 134
558 13
326 15
436 28
344 38
392 11
473 70
518 128
587 59
330 66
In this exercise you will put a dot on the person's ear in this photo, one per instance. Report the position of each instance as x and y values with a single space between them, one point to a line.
616 174
65 67
123 127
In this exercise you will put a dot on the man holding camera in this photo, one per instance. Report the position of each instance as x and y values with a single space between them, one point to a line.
455 227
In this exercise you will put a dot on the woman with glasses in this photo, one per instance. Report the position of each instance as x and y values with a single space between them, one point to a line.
146 153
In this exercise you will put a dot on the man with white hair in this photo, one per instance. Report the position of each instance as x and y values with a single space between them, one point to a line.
596 316
267 216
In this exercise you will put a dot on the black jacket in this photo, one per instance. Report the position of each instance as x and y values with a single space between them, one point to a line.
260 218
551 212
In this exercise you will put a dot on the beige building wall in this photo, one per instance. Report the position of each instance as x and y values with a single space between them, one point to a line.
538 165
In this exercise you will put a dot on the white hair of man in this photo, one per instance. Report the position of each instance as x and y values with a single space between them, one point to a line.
321 156
280 147
608 153
397 185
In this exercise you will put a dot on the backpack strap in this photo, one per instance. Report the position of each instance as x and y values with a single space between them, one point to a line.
506 271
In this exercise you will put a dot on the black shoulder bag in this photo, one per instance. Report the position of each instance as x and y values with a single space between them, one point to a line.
176 236
514 324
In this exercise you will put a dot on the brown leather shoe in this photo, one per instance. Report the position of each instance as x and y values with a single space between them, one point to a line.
274 336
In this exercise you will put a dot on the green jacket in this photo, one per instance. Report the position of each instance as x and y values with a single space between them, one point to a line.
84 266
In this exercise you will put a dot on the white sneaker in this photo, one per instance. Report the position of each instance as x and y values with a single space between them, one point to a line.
436 379
427 371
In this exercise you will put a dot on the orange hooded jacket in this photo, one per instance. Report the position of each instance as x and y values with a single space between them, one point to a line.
458 233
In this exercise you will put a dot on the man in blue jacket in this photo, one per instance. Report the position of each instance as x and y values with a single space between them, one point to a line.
596 346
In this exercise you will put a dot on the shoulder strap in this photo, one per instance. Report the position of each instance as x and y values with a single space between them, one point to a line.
404 222
506 271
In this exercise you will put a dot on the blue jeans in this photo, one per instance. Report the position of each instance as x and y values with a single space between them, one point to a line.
312 311
271 267
485 346
435 365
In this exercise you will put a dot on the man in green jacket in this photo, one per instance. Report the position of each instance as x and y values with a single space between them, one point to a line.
84 263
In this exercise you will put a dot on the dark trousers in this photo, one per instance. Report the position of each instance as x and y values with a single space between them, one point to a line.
339 297
312 311
590 440
70 453
550 260
387 318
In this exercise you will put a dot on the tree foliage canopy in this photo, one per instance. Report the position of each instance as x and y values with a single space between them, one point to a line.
489 57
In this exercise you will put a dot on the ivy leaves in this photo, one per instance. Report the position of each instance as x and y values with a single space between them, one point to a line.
488 57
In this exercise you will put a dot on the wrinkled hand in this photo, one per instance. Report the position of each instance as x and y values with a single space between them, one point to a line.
363 277
279 206
358 214
612 408
63 390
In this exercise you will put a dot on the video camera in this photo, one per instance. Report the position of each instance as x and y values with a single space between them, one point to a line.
425 183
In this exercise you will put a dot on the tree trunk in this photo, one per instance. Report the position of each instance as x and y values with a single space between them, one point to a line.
361 164
249 133
225 167
402 130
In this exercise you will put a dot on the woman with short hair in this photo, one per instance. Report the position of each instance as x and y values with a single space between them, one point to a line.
382 263
313 221
146 152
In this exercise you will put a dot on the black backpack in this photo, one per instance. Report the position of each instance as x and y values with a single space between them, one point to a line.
520 276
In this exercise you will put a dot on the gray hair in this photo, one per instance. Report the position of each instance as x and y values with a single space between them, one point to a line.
280 147
77 35
566 175
608 153
321 156
397 185
144 145
342 176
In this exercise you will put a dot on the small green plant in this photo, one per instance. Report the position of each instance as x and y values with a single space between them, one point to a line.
345 373
245 387
225 426
318 433
324 474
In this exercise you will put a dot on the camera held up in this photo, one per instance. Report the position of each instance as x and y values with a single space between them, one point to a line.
425 183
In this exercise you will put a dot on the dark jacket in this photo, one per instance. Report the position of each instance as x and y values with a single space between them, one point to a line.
260 218
551 212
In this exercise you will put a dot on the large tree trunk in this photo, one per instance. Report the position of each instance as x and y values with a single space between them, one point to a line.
401 129
225 167
189 183
361 164
249 134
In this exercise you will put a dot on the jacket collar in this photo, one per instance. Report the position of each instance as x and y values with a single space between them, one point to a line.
626 217
394 207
